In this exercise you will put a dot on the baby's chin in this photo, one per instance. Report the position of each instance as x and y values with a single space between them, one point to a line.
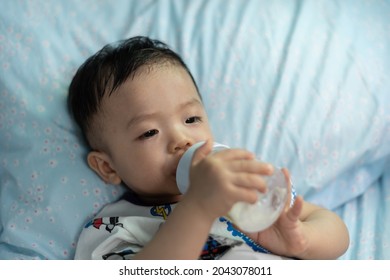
168 192
162 199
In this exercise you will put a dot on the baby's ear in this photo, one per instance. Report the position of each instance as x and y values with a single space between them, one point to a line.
99 162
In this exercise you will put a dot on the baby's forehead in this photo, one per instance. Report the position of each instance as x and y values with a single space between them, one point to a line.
143 74
147 81
150 70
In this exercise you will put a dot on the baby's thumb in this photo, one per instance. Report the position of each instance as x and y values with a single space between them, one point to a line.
202 151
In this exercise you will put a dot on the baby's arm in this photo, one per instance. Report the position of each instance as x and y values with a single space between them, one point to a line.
232 173
306 231
182 236
327 235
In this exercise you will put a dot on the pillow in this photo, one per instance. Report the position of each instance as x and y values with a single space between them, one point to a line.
302 84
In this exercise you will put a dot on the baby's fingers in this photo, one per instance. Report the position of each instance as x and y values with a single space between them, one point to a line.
252 166
249 195
287 176
294 212
235 155
202 151
250 181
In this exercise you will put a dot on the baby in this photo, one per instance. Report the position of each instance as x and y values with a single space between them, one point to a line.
139 109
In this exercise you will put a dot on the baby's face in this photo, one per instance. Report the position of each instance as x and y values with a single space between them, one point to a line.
147 124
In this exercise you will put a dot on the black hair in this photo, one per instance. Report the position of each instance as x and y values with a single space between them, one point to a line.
109 68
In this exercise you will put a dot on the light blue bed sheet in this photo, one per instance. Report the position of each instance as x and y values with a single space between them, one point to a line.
303 84
367 218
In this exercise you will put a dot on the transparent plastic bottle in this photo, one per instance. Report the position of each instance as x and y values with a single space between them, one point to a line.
249 217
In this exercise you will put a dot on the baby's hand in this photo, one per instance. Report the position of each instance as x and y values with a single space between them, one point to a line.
286 236
220 179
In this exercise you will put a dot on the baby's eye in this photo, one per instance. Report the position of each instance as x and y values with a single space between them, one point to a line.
149 134
194 119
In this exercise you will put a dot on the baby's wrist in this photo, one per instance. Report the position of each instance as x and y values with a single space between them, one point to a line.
197 209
